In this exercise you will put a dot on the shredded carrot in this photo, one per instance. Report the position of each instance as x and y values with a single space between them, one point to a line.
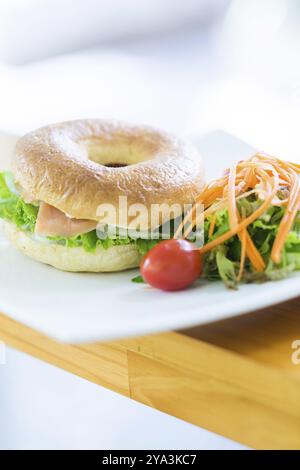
274 181
212 225
243 239
243 224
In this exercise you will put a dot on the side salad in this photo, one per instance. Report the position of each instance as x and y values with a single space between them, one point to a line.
251 225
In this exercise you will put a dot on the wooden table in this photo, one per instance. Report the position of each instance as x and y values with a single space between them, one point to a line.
234 377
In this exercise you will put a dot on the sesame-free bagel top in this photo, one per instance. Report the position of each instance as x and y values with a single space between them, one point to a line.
78 165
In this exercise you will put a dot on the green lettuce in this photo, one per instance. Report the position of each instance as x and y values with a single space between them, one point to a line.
15 210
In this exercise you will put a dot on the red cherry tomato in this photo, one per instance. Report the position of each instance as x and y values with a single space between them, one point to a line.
171 265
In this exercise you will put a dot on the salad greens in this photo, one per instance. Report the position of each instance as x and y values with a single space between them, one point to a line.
223 261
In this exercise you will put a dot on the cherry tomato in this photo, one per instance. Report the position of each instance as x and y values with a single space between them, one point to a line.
171 265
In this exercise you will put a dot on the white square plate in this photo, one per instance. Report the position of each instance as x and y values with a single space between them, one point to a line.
89 307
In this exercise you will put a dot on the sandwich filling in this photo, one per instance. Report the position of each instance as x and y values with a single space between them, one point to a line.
50 225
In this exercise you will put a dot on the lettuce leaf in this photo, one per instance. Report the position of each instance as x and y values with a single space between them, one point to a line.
138 280
13 208
226 269
90 241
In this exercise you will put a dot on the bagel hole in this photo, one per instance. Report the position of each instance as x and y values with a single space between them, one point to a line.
120 151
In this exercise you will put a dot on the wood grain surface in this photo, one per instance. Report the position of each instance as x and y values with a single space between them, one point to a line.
233 377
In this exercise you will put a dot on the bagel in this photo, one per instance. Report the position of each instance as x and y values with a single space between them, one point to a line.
116 258
73 171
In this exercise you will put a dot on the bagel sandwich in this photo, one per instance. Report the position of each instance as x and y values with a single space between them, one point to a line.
64 177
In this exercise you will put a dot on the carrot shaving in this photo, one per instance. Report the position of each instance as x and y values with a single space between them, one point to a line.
212 225
243 239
